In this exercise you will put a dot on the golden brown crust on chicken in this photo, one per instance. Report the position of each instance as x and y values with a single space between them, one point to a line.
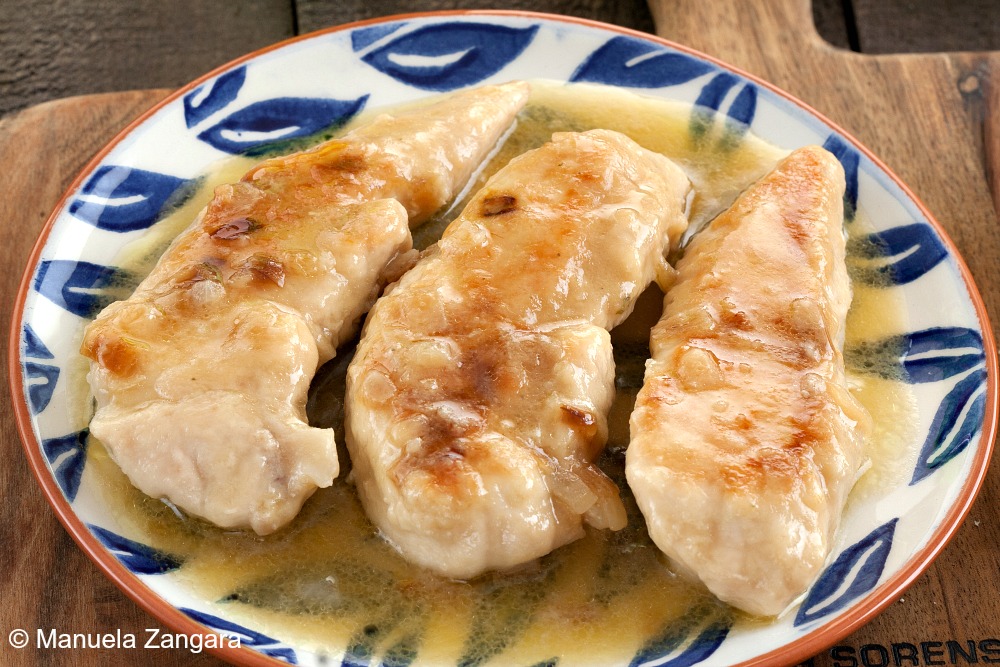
201 376
478 396
745 438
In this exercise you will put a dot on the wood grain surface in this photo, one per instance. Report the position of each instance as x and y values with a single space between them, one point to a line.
61 48
70 47
899 26
45 579
317 14
933 118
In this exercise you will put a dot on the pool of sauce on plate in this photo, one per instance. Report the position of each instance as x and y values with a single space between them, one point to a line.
329 582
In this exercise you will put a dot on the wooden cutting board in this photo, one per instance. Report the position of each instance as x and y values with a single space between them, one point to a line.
934 118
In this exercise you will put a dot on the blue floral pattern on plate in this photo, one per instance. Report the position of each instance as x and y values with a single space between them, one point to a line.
249 638
741 109
279 119
320 83
78 287
850 159
208 98
41 376
365 37
137 557
900 255
447 56
855 571
934 356
66 456
627 61
956 422
124 199
690 641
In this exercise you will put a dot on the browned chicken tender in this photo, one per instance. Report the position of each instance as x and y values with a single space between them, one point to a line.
201 376
745 438
478 397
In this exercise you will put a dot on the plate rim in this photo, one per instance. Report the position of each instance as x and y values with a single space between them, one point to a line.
809 644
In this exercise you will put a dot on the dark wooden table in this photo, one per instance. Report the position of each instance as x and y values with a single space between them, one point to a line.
60 48
934 118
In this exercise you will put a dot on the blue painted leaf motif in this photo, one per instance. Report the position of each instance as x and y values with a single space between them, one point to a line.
855 572
920 369
76 286
123 199
34 347
257 641
627 61
714 92
901 254
137 557
66 456
279 119
365 37
704 645
929 355
201 103
669 650
360 648
744 107
447 56
39 393
403 652
947 438
849 159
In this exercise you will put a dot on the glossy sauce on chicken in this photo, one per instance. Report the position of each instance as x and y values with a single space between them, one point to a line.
201 376
328 581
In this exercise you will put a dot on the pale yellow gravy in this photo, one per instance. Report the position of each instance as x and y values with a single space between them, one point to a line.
328 581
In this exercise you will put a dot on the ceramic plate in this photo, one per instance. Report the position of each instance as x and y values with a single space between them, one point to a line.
945 357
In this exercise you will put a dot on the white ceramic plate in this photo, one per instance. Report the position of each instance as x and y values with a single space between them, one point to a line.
299 88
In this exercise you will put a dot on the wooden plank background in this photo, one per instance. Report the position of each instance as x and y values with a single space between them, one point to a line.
59 48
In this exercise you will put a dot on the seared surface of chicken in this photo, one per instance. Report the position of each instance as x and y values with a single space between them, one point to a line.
745 439
477 399
201 376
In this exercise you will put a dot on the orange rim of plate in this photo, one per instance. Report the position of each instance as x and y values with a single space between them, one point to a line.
794 652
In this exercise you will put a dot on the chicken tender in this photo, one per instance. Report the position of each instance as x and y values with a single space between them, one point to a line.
477 400
745 440
201 375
